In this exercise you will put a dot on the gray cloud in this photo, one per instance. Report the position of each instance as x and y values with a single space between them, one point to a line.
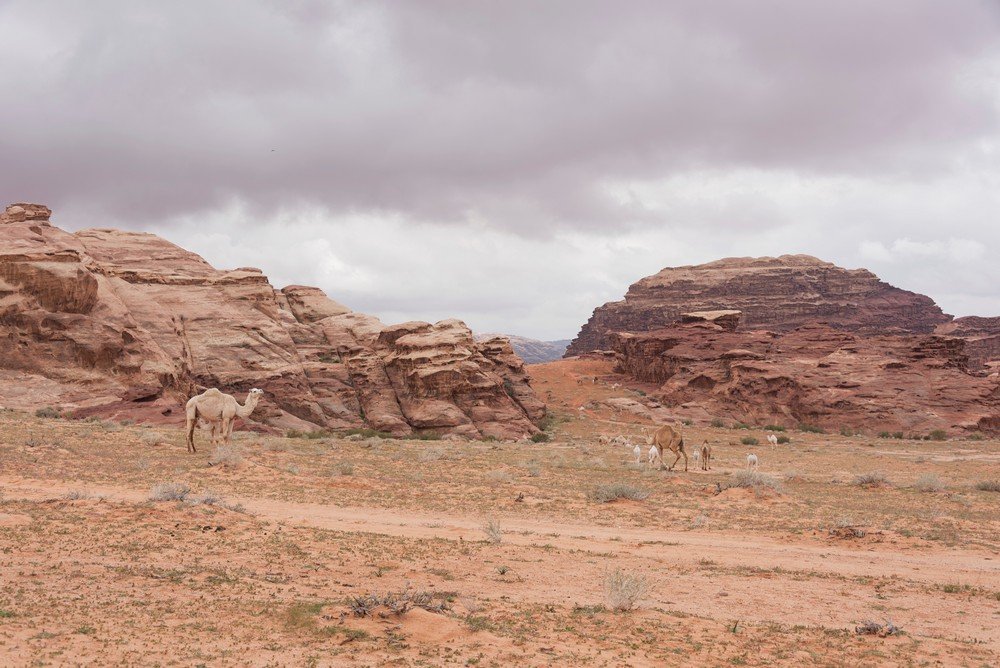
518 154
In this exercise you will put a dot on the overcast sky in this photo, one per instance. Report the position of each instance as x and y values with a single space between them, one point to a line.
516 164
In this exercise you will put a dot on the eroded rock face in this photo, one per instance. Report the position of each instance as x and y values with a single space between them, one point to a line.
126 324
982 336
778 294
813 374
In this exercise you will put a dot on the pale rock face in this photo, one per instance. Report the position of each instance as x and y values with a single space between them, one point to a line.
127 324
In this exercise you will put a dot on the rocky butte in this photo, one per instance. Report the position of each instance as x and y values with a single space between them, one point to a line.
124 324
775 293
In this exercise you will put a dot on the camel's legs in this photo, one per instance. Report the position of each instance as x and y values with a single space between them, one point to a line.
228 430
684 452
679 453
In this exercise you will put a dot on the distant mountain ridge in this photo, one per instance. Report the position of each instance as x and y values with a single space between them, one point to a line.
532 351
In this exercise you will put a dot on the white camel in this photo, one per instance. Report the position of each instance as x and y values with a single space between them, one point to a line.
219 411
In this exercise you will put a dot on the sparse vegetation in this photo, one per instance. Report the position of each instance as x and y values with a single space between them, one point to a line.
754 480
229 456
397 603
493 532
47 412
811 428
774 427
617 490
540 437
717 423
152 438
882 630
872 479
929 483
988 485
938 435
624 590
169 491
784 439
749 440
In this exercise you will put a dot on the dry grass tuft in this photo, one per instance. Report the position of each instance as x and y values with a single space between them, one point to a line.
929 483
754 480
624 590
169 491
493 531
872 479
228 456
615 491
988 485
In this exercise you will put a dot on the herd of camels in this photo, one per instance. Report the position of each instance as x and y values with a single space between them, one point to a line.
220 411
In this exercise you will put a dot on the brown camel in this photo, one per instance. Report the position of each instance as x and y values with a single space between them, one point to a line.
218 410
670 438
706 456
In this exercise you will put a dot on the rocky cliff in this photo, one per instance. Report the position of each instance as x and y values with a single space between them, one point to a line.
813 374
127 324
778 294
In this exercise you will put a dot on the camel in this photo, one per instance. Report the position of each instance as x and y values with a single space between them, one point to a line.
706 456
218 410
670 438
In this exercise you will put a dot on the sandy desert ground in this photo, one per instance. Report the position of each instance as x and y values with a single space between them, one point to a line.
503 550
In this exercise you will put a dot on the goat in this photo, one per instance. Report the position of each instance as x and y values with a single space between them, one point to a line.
751 462
637 451
772 439
654 454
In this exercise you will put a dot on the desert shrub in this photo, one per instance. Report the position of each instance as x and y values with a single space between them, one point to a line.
151 438
872 479
872 628
752 480
47 412
534 470
975 436
929 483
687 423
846 431
77 494
938 435
169 491
624 590
742 425
749 440
226 455
294 433
784 439
398 603
540 437
493 531
431 454
988 485
884 434
811 428
615 491
367 433
774 427
290 468
345 468
499 477
717 423
897 434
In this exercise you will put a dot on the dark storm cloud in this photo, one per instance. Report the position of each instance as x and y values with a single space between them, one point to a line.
516 163
515 112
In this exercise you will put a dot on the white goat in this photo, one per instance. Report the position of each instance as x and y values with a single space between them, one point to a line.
751 462
654 454
772 439
637 451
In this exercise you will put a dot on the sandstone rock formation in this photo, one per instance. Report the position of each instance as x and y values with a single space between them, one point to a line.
813 374
778 294
982 336
126 324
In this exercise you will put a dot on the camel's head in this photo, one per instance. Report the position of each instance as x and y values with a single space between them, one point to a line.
256 393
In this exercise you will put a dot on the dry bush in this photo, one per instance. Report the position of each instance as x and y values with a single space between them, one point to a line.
624 590
77 494
152 438
169 491
615 491
872 479
229 456
494 534
754 480
534 470
873 628
929 483
988 485
499 477
398 603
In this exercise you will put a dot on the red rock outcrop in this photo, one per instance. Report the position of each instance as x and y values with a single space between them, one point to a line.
813 374
982 337
119 323
778 294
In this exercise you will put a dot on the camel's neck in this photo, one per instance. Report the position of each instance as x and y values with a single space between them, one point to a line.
246 409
